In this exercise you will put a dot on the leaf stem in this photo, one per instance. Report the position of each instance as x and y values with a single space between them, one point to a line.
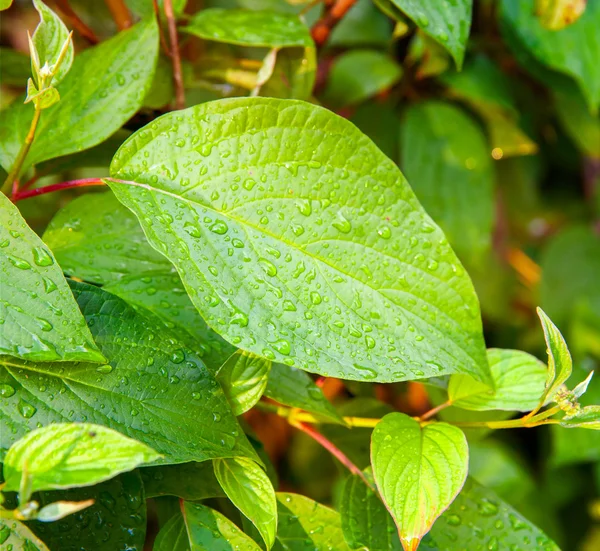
13 175
120 13
334 13
434 411
76 22
19 196
175 56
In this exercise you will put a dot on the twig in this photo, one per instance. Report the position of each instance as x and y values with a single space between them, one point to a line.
77 23
161 34
334 13
175 56
434 411
19 196
120 13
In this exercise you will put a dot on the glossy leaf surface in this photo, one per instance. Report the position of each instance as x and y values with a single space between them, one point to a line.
104 88
519 380
16 535
40 319
251 491
192 481
67 455
381 294
418 471
153 390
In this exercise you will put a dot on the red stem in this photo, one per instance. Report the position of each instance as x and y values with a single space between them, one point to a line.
175 56
20 195
334 13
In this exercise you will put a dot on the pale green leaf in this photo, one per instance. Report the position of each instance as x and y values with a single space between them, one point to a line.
153 390
445 156
557 14
573 50
251 491
519 380
448 23
192 481
418 470
588 417
5 4
359 74
560 364
40 319
49 39
365 520
291 387
61 509
478 517
105 87
293 75
117 518
243 378
359 268
250 28
67 455
15 535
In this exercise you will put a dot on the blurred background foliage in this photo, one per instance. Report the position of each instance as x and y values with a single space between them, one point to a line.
504 154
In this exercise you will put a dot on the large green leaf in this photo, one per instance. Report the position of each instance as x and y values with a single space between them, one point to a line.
15 535
274 233
40 319
306 525
365 520
173 536
292 387
97 239
418 470
519 380
448 23
446 158
116 520
250 28
49 38
192 481
478 519
104 88
251 491
67 455
243 378
153 389
574 50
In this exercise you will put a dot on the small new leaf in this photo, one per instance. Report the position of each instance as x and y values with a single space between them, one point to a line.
557 14
587 417
60 509
418 471
68 455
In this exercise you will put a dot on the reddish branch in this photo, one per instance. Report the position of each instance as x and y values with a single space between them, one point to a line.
20 195
77 23
120 13
175 55
163 39
335 10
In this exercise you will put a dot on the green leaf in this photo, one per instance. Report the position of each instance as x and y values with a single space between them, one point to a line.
519 380
15 67
105 87
68 455
116 520
362 25
250 28
49 39
560 364
251 491
572 50
365 520
192 481
15 535
4 5
243 378
477 518
293 75
291 387
588 417
447 24
153 390
40 319
358 268
97 239
418 470
557 14
359 74
173 536
305 524
446 158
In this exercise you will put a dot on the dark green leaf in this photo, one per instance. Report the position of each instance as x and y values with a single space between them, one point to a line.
243 378
251 491
320 256
67 455
173 536
192 481
14 66
419 470
104 88
291 387
152 390
40 319
447 160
